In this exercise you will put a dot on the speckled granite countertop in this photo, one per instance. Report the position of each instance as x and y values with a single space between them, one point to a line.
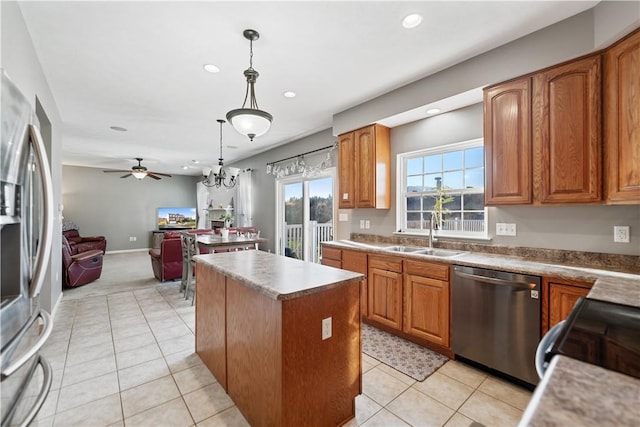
572 392
623 288
278 277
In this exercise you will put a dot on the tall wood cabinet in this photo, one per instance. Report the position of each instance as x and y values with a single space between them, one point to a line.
507 143
385 290
567 132
426 301
364 164
543 136
622 121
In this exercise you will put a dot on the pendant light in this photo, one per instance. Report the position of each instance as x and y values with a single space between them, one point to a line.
250 120
218 176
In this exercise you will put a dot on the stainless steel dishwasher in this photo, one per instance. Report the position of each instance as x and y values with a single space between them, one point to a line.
496 320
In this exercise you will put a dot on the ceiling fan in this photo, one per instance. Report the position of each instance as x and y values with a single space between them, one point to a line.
139 172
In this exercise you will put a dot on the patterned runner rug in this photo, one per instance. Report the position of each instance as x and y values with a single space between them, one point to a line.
409 358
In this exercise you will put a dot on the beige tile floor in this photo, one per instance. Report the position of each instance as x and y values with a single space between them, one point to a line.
128 359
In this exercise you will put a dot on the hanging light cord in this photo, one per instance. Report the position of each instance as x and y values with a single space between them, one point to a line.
252 76
220 158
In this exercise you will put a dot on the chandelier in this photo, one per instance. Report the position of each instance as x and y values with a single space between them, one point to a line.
250 121
219 176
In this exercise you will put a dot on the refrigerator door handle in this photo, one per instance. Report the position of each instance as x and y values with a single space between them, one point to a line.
48 327
44 391
44 249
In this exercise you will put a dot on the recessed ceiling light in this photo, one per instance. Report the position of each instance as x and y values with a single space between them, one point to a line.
289 94
211 68
412 20
184 167
433 111
195 162
118 128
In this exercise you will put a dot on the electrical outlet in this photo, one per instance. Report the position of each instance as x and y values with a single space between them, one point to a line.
131 238
505 229
621 234
343 217
326 328
367 224
361 223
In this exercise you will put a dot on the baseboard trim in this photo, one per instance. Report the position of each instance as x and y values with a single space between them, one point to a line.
124 251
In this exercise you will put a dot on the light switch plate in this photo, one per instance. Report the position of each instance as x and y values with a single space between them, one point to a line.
343 217
326 328
505 229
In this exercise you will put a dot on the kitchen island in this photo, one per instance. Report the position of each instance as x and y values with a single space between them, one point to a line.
281 336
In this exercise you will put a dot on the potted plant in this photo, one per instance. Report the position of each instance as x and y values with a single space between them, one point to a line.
227 218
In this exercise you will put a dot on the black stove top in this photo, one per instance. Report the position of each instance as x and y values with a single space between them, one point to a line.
604 334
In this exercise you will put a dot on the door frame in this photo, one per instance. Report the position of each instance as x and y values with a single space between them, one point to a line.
279 219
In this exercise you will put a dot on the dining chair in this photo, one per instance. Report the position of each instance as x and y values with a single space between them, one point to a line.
189 249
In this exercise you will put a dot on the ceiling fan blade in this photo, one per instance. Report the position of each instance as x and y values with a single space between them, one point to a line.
117 170
151 175
126 176
161 174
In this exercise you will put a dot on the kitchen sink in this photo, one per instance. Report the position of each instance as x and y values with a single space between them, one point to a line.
424 251
407 249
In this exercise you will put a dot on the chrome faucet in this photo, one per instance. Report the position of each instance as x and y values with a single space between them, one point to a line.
431 228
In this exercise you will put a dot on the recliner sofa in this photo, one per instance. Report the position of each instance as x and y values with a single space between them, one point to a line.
167 260
80 244
80 268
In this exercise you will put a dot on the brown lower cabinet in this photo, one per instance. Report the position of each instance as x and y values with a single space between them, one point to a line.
411 299
426 301
357 262
385 290
558 298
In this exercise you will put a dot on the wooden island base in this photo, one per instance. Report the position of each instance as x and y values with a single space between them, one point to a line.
268 353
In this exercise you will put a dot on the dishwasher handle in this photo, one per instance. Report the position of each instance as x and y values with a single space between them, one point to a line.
494 281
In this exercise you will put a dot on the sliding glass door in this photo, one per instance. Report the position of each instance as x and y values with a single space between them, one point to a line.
305 215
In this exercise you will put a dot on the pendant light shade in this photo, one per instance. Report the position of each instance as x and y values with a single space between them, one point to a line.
250 120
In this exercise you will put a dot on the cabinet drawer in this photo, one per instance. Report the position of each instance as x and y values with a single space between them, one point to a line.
332 262
427 269
331 253
387 263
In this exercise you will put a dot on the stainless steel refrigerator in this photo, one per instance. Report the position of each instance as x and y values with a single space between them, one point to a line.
26 220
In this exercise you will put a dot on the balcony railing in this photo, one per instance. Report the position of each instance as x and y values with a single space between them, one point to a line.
318 232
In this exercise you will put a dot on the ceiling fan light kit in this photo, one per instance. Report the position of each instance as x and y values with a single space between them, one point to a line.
250 120
139 172
218 176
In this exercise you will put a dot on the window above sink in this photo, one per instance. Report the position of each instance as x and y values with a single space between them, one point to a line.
454 172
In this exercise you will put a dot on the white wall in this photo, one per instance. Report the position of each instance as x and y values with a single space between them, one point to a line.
19 59
106 205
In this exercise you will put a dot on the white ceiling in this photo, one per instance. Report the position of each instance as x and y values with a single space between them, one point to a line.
138 65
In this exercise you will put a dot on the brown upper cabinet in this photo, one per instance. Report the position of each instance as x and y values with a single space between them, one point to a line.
507 143
542 136
365 168
622 121
567 142
544 132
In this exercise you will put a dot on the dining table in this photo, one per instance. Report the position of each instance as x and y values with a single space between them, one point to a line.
215 243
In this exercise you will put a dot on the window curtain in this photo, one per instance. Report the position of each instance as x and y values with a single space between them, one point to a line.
202 194
245 199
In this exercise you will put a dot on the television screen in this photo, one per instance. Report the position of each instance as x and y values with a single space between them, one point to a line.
176 218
